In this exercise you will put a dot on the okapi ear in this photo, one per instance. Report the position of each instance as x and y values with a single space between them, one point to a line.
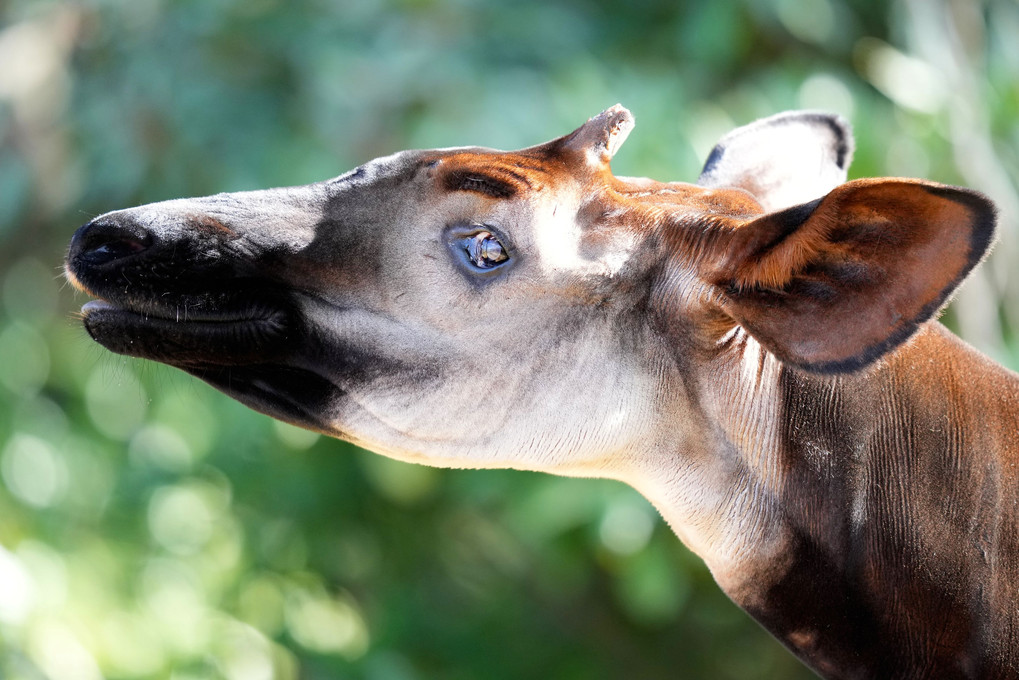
834 284
784 160
601 136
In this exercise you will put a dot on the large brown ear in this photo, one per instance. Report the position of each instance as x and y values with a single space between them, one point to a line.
832 285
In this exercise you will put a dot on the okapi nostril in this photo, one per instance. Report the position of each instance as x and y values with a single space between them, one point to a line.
99 243
113 251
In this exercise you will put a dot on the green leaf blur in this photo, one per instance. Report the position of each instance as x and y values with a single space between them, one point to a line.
152 528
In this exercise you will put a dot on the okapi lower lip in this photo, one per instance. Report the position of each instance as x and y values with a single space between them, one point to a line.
226 338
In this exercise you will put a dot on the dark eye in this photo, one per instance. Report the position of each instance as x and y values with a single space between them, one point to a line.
485 250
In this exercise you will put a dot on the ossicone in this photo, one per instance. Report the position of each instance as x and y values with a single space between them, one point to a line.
598 140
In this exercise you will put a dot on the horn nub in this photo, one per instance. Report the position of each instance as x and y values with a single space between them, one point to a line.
601 136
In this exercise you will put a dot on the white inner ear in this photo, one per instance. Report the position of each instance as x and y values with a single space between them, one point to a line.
784 160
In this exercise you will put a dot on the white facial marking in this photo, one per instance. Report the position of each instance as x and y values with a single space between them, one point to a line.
558 243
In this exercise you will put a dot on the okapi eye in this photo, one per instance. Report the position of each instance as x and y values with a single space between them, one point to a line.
481 251
485 250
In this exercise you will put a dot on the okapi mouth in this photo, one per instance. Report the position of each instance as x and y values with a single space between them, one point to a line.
247 351
179 336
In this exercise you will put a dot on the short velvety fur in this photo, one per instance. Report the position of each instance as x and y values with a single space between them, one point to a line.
755 353
897 483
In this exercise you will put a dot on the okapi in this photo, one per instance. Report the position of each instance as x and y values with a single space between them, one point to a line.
755 353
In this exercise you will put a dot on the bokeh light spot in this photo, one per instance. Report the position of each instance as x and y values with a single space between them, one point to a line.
825 92
626 527
324 624
26 359
811 21
160 447
180 519
402 483
260 604
30 291
33 470
295 437
17 589
61 654
117 406
131 647
243 653
910 82
175 599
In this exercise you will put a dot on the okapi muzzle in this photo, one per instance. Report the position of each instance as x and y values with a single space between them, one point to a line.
177 285
757 353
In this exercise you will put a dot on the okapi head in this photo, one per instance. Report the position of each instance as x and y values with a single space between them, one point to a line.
476 308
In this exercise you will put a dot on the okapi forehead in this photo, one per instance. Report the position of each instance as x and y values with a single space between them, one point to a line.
510 174
582 155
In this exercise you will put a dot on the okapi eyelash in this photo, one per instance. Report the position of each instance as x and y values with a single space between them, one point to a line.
458 180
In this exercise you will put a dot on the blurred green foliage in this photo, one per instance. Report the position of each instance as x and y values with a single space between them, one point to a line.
151 528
